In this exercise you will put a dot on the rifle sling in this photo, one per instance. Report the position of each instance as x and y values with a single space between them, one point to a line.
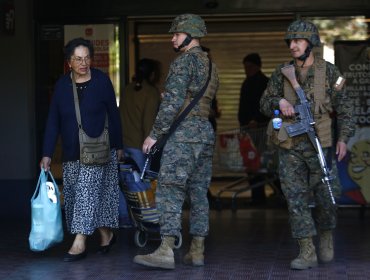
318 88
162 141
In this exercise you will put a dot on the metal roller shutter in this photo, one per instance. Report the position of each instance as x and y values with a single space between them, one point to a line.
229 44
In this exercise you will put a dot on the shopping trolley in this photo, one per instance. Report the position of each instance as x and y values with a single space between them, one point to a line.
246 151
139 191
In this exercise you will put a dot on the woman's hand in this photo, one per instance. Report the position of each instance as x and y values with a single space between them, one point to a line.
45 163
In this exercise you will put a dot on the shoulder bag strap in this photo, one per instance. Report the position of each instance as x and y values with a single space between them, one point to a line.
77 106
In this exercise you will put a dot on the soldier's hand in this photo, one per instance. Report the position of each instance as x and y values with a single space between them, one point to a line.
148 144
286 108
341 150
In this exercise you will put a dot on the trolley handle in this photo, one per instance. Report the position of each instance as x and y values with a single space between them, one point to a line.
153 150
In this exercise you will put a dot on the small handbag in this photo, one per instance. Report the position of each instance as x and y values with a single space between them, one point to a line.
93 151
46 214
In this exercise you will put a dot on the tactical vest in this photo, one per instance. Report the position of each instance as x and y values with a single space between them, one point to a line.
321 107
205 101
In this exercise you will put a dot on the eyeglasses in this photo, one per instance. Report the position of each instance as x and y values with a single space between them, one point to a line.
79 59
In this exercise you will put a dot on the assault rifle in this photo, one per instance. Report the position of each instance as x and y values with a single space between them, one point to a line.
306 124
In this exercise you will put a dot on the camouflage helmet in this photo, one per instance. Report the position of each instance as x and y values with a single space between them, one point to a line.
301 29
189 23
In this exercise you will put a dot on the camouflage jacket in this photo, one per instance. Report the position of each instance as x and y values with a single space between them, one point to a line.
187 75
340 102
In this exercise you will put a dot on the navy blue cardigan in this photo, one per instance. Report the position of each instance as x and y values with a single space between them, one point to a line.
98 99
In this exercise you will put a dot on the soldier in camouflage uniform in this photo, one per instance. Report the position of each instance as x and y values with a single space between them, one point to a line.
186 163
300 172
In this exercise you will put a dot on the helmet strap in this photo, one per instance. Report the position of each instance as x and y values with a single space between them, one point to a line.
306 54
186 42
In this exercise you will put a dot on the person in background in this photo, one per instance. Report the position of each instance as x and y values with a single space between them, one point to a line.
299 167
254 85
249 114
186 163
90 192
138 107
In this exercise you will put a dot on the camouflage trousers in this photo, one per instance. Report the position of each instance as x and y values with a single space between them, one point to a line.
185 173
309 203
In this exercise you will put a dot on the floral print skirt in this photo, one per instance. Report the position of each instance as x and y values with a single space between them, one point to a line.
91 195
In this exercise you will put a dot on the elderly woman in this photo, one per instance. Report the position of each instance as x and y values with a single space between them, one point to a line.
90 191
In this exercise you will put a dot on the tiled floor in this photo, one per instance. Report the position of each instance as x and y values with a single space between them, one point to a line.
250 243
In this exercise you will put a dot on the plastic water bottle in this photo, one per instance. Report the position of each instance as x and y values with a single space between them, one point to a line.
276 121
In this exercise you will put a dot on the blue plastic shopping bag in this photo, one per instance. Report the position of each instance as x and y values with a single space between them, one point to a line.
46 214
